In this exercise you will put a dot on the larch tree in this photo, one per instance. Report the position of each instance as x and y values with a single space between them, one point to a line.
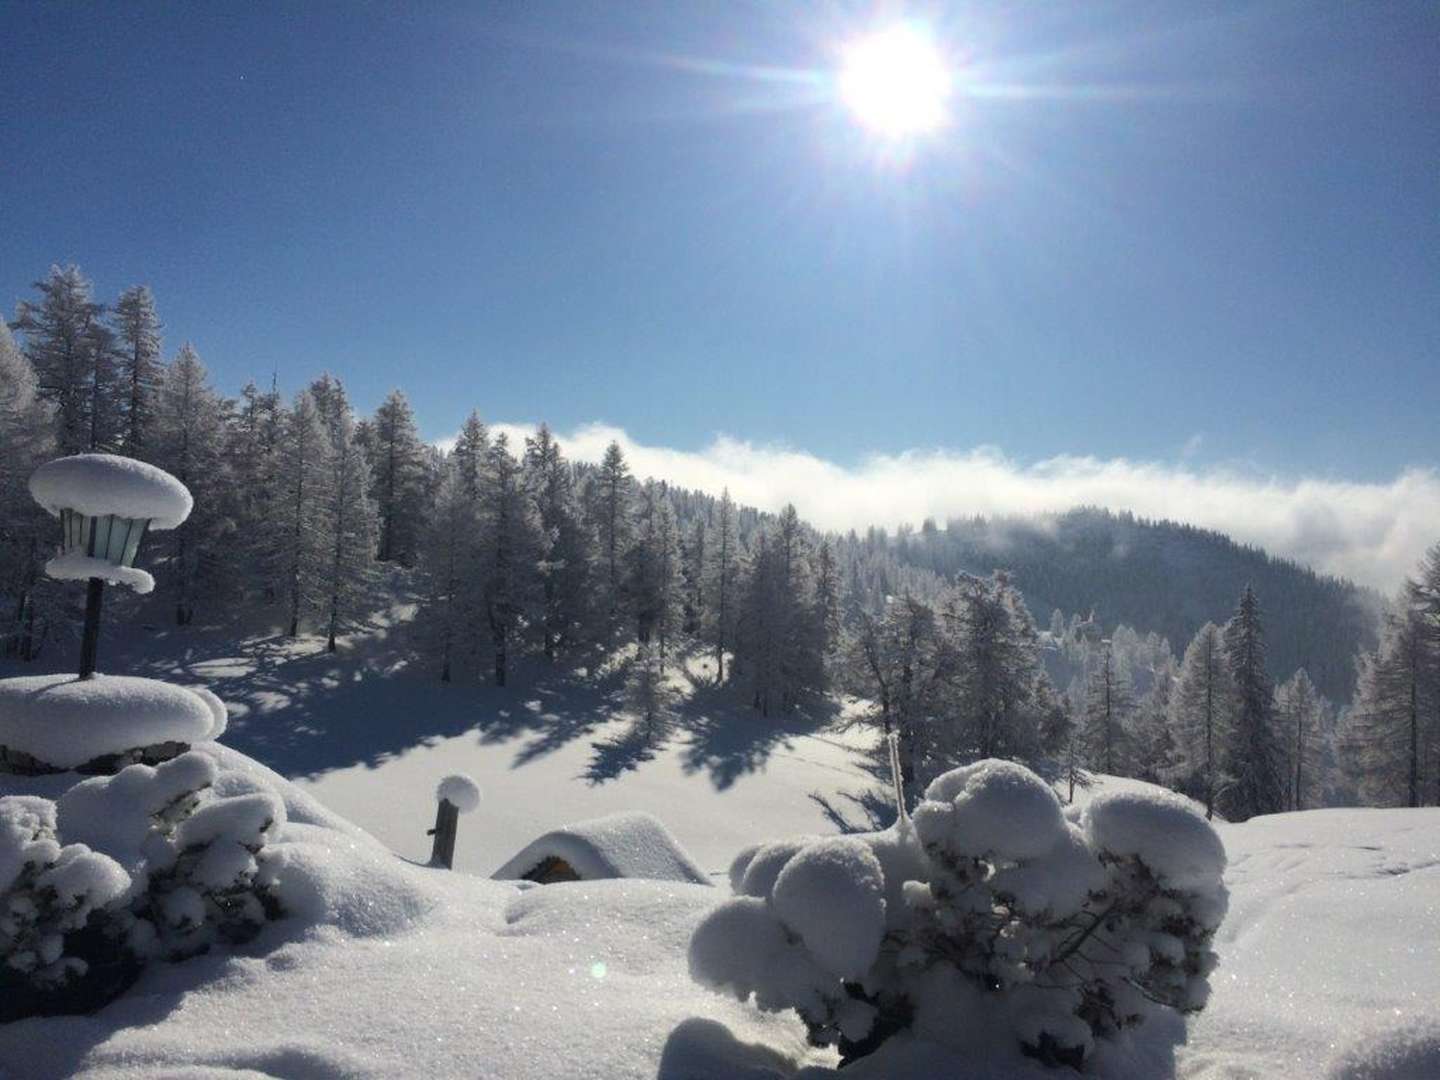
70 349
1109 703
1200 707
1253 754
297 534
510 556
26 441
721 573
398 464
565 555
1391 715
694 562
137 328
347 514
1300 710
611 511
450 610
189 443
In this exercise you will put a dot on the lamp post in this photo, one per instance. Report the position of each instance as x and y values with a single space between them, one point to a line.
105 504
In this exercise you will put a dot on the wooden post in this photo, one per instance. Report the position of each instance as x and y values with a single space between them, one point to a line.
89 643
447 820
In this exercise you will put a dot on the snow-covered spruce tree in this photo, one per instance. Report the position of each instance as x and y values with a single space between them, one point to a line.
989 923
138 368
721 573
1200 710
609 505
649 695
27 439
1252 754
1156 754
566 549
72 352
399 468
253 447
347 517
509 560
450 605
652 582
1300 711
692 573
188 442
295 539
1109 703
1392 717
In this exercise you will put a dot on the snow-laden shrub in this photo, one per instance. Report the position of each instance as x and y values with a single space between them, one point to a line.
987 913
146 864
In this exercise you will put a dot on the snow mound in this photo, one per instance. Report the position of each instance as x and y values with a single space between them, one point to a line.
99 484
77 566
1162 830
65 721
460 791
833 895
991 807
625 845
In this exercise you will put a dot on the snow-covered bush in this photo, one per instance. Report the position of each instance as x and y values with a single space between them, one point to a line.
987 913
153 865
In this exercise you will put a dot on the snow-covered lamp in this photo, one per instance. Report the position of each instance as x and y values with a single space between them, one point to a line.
105 504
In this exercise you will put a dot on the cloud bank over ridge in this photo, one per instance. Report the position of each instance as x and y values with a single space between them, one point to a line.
1373 533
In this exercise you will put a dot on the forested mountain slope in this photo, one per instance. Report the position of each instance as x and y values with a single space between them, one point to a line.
1157 576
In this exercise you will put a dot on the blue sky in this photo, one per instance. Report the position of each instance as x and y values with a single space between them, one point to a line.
1162 232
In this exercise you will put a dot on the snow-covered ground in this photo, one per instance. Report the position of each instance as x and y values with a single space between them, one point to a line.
1329 958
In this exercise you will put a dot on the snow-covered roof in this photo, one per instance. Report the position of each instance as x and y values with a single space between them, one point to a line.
65 721
630 844
97 484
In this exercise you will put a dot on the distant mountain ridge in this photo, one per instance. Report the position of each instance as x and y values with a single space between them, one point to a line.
1160 576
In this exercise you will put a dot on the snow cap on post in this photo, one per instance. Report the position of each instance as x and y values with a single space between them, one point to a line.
100 484
460 791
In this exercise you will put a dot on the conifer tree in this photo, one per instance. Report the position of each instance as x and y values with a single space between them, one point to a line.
721 573
1200 710
1392 713
450 609
565 554
26 440
510 556
298 534
72 354
612 512
138 369
398 464
1301 710
1253 754
189 433
1109 702
694 562
347 514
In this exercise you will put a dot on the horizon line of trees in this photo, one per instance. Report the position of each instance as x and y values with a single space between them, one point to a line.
518 552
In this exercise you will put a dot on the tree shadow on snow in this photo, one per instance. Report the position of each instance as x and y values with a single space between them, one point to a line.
728 740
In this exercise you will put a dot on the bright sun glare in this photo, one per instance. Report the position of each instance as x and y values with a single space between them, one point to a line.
895 82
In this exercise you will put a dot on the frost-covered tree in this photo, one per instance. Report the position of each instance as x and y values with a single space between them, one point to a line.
449 612
73 355
1392 716
296 538
189 443
721 576
693 561
399 465
1200 710
653 584
611 512
1302 712
1252 754
1155 750
566 554
1109 702
253 451
26 440
510 556
347 516
138 368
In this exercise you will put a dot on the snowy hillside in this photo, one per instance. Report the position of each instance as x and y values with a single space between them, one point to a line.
1328 958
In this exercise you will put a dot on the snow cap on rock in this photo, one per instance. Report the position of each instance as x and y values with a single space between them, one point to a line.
460 791
66 721
99 484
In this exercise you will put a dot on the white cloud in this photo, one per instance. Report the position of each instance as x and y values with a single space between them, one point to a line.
1373 533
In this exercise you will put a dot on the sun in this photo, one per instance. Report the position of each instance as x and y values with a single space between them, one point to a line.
896 82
